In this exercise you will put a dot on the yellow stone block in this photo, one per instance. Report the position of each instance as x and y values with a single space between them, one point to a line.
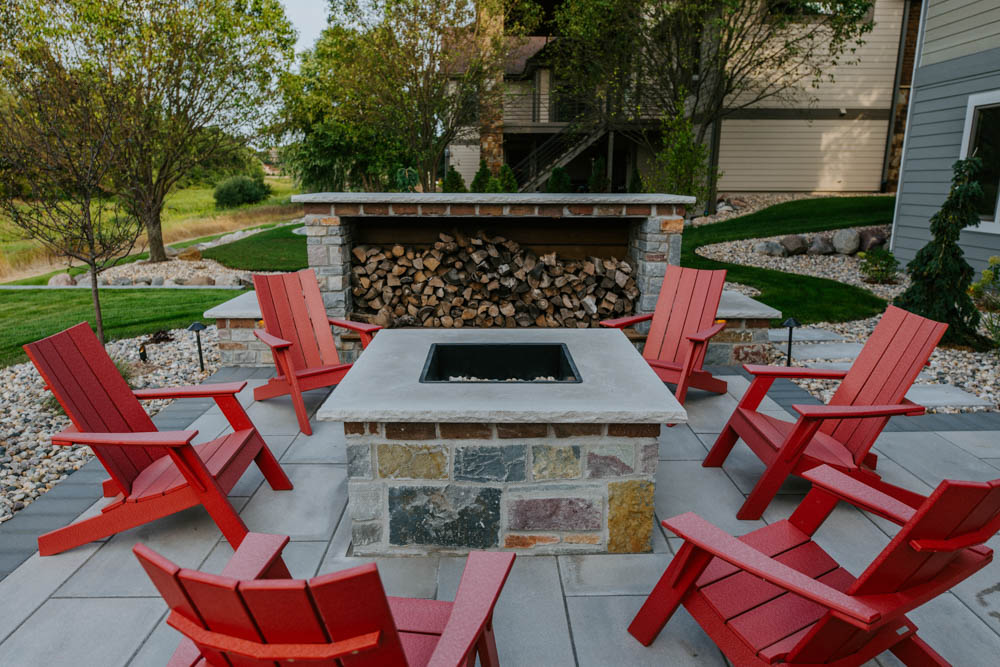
412 462
630 516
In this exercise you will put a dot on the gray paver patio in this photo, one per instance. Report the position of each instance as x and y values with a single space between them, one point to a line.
566 610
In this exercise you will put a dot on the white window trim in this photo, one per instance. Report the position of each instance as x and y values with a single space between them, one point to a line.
975 101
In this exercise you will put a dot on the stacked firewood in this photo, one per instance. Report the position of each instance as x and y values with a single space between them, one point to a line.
484 281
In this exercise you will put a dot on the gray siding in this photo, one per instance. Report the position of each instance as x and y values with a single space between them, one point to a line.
934 136
956 28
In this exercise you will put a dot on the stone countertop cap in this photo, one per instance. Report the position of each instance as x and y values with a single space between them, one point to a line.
512 198
736 306
618 386
733 306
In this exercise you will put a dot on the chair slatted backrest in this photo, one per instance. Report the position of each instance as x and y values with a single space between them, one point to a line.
329 608
95 397
688 303
889 363
293 309
956 509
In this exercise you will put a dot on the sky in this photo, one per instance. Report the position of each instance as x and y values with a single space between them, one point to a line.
309 19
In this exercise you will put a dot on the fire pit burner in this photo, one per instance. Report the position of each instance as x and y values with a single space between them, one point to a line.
536 363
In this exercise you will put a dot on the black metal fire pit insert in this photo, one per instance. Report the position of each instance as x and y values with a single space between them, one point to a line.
500 362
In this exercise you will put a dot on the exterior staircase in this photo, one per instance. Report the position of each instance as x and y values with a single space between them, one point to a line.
557 151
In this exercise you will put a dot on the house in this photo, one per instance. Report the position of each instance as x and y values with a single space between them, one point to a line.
841 136
954 113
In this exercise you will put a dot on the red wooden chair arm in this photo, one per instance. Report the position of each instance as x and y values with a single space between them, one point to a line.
142 439
707 536
272 342
272 652
705 334
194 391
622 322
794 372
366 330
255 556
483 579
859 494
857 411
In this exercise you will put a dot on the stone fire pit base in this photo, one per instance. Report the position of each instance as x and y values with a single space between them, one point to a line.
420 487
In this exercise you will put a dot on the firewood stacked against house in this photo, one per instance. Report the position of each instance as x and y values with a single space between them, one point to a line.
486 281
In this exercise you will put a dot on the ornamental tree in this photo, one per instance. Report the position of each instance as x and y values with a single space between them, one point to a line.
940 277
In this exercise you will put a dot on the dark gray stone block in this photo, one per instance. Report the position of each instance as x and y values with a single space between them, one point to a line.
490 464
448 516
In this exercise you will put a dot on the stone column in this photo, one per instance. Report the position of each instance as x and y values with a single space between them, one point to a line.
655 242
328 245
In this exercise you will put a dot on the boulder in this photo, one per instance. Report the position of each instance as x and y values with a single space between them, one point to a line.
176 281
794 244
156 281
141 281
871 238
227 280
61 280
171 251
772 248
201 279
821 245
190 254
122 281
846 241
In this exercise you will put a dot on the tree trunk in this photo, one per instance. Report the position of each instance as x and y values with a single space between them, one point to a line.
95 295
154 231
713 166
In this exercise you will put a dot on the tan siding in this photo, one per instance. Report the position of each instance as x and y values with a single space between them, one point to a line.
465 159
518 102
956 28
797 155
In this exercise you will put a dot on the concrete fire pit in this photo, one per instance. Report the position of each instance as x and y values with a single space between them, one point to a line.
552 461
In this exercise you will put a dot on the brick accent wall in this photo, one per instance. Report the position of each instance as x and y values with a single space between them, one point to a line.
422 488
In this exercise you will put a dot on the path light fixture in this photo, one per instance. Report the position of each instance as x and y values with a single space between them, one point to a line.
791 323
197 328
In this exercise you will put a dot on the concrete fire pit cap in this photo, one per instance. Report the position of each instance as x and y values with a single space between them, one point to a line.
512 198
618 386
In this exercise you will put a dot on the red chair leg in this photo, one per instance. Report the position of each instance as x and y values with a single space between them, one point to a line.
271 469
764 491
668 593
486 647
915 652
720 450
97 527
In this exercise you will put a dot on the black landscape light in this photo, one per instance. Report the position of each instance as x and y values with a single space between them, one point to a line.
197 328
791 323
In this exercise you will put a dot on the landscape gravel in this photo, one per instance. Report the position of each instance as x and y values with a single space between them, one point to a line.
30 464
842 268
175 269
975 372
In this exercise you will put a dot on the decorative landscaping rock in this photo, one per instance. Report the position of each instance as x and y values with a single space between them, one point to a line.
871 238
171 252
461 516
121 281
201 279
794 244
846 241
821 245
190 254
771 248
157 281
61 280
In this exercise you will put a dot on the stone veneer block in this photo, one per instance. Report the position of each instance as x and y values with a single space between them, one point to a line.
412 462
490 464
630 516
612 460
359 461
555 462
555 514
458 516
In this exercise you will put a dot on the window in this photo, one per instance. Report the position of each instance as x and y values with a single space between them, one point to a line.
981 138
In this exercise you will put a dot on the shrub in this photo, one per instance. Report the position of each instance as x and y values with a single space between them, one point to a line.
681 166
494 185
986 293
878 265
481 179
508 181
453 181
635 180
598 180
406 179
940 277
559 182
239 190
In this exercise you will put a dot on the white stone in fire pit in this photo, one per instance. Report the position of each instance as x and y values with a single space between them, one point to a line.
617 386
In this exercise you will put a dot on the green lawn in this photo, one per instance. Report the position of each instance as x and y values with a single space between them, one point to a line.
28 315
805 298
274 250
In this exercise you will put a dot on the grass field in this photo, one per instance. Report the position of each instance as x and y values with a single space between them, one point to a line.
273 250
188 213
805 298
28 315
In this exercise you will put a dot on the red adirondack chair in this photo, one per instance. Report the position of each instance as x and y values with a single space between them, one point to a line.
153 474
839 434
682 324
255 612
297 329
774 596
